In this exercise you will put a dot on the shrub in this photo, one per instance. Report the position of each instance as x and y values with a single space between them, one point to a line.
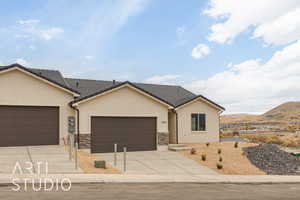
236 133
219 166
220 159
193 151
203 157
236 145
274 140
207 144
291 143
257 139
219 151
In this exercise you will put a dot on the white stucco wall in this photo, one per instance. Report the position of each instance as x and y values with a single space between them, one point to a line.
185 133
18 88
122 102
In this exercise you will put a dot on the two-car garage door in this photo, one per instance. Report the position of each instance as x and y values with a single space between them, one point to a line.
29 125
135 133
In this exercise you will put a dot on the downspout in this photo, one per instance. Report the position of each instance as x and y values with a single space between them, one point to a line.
77 112
220 112
176 127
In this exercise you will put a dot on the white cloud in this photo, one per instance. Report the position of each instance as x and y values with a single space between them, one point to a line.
200 51
180 31
22 61
89 57
49 34
163 79
32 29
32 47
29 22
275 23
253 86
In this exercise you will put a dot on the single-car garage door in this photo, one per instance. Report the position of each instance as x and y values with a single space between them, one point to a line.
28 125
135 133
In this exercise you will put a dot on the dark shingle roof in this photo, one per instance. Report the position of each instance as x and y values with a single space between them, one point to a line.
170 94
173 95
51 74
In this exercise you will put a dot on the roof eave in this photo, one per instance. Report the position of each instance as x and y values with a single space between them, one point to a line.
215 105
24 69
102 92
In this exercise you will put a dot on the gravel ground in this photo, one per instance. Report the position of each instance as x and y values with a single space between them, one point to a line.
270 159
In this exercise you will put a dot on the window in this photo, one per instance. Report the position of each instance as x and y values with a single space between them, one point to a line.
198 122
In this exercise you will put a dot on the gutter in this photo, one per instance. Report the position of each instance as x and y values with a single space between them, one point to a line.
77 112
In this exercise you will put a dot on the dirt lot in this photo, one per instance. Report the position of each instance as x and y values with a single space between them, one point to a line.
234 161
291 140
86 163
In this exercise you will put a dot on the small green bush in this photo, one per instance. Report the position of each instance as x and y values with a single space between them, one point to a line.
220 159
219 151
219 166
236 145
203 157
193 151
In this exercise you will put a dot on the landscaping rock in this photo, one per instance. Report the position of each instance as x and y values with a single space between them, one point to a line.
272 160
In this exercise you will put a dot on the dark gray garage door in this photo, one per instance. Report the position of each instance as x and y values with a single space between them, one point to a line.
28 125
136 133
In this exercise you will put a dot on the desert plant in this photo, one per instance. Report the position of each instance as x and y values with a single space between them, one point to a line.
274 140
236 133
207 144
220 159
219 151
219 166
193 151
236 145
203 157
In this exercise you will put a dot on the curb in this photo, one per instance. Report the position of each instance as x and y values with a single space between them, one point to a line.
6 179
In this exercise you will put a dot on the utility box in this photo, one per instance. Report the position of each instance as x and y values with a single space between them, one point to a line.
100 164
71 124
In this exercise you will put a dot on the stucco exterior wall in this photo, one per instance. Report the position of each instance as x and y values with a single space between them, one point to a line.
18 88
185 133
122 102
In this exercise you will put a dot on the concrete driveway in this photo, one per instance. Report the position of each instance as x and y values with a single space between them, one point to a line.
56 156
157 163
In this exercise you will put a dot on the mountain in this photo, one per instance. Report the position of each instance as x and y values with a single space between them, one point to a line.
289 111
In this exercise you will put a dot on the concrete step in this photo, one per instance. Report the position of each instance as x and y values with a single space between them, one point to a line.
179 147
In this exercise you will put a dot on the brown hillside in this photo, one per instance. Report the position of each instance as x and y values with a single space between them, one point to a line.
285 112
289 111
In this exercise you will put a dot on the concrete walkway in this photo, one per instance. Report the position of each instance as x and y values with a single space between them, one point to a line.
56 156
157 163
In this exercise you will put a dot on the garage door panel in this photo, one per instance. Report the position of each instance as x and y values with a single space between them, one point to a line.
136 133
29 125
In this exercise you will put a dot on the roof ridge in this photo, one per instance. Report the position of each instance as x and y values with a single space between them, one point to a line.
43 69
85 79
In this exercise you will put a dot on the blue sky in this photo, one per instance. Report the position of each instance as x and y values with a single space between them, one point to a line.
153 41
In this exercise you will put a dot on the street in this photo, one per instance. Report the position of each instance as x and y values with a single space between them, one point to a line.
164 191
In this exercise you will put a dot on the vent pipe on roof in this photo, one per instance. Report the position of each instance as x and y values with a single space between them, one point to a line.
114 82
77 84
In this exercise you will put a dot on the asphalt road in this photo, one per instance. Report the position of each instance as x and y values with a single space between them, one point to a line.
162 191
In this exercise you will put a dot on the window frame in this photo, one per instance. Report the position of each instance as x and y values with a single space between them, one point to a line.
198 125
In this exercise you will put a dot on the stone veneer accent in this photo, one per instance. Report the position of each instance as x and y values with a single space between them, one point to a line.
84 141
162 138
